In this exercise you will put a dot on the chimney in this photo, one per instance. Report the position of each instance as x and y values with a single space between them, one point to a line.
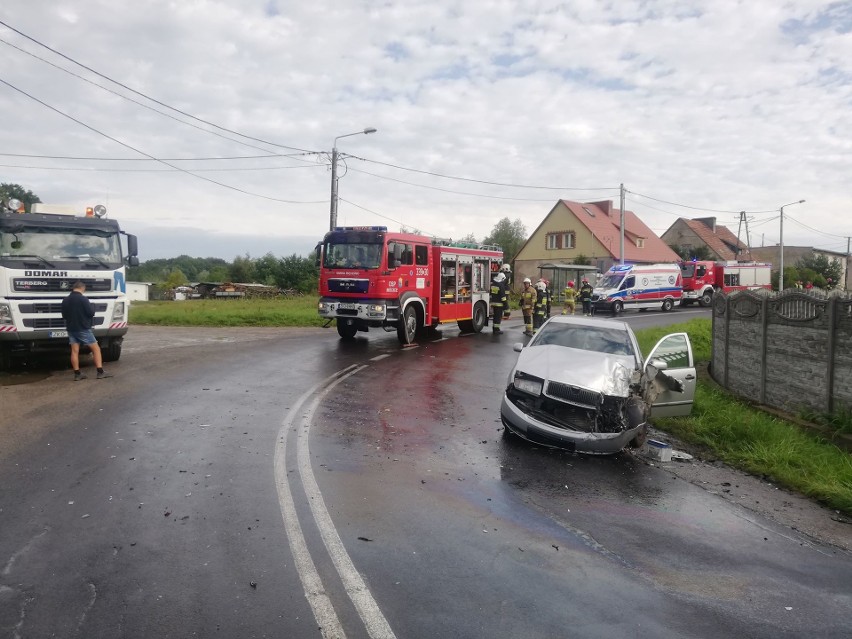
606 207
709 222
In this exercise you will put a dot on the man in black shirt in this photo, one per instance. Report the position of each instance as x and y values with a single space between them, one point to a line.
77 312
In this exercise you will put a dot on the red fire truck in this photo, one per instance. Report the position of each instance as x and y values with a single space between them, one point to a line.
372 278
701 279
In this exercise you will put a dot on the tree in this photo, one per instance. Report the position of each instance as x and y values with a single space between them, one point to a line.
508 235
8 190
175 278
821 271
582 260
688 253
242 270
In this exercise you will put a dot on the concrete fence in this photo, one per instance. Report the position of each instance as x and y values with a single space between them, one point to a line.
791 350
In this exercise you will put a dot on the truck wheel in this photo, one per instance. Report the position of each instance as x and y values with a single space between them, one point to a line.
706 299
5 358
407 327
112 352
667 305
346 331
479 318
617 307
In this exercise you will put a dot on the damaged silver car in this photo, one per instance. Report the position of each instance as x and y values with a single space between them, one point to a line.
581 384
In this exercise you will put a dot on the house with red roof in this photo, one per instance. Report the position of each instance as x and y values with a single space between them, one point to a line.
719 241
590 230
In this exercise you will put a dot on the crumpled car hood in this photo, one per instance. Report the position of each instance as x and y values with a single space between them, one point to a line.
608 374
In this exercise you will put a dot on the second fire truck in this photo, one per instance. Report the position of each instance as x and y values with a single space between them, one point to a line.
702 278
372 278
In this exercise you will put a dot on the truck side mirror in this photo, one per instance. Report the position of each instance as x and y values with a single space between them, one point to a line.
133 261
318 250
132 246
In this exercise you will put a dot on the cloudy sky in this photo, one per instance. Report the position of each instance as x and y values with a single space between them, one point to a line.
206 126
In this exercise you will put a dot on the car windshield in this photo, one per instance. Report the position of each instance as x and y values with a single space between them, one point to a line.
600 339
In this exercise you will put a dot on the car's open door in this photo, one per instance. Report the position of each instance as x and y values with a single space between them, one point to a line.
670 389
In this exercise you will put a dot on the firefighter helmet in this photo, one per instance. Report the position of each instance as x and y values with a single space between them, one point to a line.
571 283
527 280
506 268
499 277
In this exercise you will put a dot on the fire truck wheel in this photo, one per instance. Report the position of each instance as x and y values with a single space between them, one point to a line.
479 318
706 299
668 305
346 331
5 358
407 327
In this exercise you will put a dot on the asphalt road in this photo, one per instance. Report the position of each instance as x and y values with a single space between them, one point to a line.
282 482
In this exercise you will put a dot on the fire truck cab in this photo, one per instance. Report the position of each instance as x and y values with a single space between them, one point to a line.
372 278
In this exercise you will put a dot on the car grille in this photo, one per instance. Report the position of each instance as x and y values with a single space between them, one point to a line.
574 395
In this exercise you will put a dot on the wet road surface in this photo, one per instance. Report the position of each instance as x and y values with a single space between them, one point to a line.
266 483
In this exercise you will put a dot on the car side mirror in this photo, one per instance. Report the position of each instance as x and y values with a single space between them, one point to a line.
658 364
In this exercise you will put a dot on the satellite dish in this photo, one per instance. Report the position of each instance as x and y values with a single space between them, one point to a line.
100 211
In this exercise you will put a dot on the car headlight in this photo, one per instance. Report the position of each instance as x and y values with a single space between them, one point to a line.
529 385
5 314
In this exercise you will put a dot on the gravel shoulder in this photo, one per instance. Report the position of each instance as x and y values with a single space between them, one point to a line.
758 496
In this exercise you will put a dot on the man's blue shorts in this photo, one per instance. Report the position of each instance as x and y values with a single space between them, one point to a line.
81 337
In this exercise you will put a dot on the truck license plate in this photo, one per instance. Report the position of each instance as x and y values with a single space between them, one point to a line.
348 306
58 334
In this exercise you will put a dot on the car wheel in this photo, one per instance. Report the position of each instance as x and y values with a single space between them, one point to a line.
346 331
407 327
667 305
706 299
617 307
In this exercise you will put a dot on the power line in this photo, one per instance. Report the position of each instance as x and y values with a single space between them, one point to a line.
810 228
696 208
435 188
140 152
465 179
169 170
101 159
364 208
139 93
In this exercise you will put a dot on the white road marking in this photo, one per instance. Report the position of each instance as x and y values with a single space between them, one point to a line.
324 613
374 621
379 357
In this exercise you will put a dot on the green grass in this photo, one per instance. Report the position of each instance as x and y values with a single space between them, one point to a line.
731 430
290 311
750 439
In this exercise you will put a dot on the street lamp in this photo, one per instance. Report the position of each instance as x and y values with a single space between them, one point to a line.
781 272
333 216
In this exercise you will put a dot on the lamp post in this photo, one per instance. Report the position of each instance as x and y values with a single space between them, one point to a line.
333 215
781 238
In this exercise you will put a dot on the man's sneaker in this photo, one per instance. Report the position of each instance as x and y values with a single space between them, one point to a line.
79 376
104 375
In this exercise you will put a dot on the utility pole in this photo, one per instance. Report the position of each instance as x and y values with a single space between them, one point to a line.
781 238
332 218
621 247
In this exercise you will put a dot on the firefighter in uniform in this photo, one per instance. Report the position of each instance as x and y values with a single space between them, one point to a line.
528 298
507 271
570 302
540 308
498 299
586 297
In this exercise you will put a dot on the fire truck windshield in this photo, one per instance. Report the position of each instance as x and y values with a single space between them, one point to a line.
56 244
345 255
687 270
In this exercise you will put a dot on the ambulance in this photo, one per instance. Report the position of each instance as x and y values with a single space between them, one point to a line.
639 286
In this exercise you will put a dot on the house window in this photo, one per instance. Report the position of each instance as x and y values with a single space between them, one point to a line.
589 211
561 240
640 242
